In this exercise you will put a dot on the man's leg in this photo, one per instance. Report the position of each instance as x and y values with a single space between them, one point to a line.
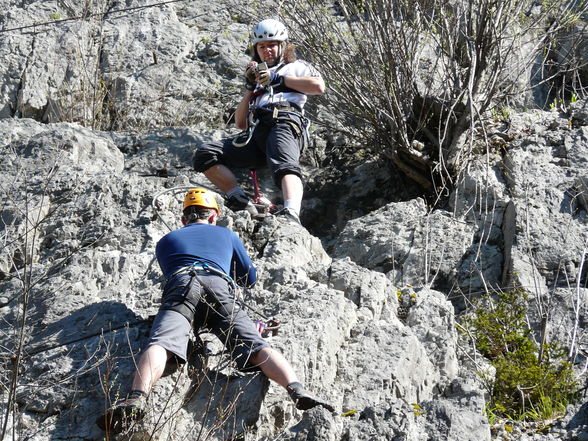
124 413
274 366
283 150
236 330
170 330
150 368
214 159
292 192
277 368
222 177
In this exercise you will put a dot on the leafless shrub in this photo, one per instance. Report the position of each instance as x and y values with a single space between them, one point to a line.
417 79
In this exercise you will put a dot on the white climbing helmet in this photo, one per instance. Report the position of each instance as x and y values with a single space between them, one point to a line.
269 30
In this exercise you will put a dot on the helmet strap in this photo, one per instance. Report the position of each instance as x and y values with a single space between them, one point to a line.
281 52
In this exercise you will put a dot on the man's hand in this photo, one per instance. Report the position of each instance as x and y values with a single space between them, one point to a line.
250 73
267 78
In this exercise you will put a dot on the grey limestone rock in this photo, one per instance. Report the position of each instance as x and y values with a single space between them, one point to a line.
431 318
154 66
579 112
582 192
368 322
405 374
97 284
554 222
416 248
370 291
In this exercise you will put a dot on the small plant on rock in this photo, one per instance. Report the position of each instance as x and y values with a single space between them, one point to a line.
526 386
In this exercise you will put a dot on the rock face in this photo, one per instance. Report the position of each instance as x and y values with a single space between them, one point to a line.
547 257
368 313
414 247
87 281
111 65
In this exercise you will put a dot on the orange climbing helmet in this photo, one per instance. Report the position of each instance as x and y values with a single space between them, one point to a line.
201 197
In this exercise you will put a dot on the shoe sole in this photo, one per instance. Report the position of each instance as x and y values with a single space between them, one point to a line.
306 403
117 421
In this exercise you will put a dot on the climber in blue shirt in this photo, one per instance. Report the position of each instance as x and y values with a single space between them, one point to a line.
205 243
200 262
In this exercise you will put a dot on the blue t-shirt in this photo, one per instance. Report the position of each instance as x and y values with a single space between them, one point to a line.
214 245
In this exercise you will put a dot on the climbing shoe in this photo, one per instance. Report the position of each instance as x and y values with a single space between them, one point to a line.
264 205
305 400
239 202
289 214
120 416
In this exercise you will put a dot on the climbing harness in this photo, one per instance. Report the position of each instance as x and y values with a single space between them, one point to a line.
267 326
285 112
243 138
280 113
200 265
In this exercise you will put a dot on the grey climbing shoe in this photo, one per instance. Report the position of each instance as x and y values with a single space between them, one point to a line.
121 416
305 400
289 214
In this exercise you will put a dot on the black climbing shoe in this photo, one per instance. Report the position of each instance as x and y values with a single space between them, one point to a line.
305 400
120 416
239 202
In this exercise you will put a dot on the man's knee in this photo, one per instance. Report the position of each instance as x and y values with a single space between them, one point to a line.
205 157
156 350
261 356
252 357
281 172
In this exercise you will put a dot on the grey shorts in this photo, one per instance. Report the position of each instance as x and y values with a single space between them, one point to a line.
217 311
171 330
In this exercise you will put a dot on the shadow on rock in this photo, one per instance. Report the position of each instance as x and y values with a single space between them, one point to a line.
580 419
79 365
88 322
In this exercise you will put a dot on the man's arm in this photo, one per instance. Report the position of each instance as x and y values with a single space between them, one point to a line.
306 85
242 111
242 268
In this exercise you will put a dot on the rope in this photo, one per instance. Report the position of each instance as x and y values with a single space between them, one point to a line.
96 14
238 297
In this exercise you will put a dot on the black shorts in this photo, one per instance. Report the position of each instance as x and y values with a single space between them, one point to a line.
216 310
277 144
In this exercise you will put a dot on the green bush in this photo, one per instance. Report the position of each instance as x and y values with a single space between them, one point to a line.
526 386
